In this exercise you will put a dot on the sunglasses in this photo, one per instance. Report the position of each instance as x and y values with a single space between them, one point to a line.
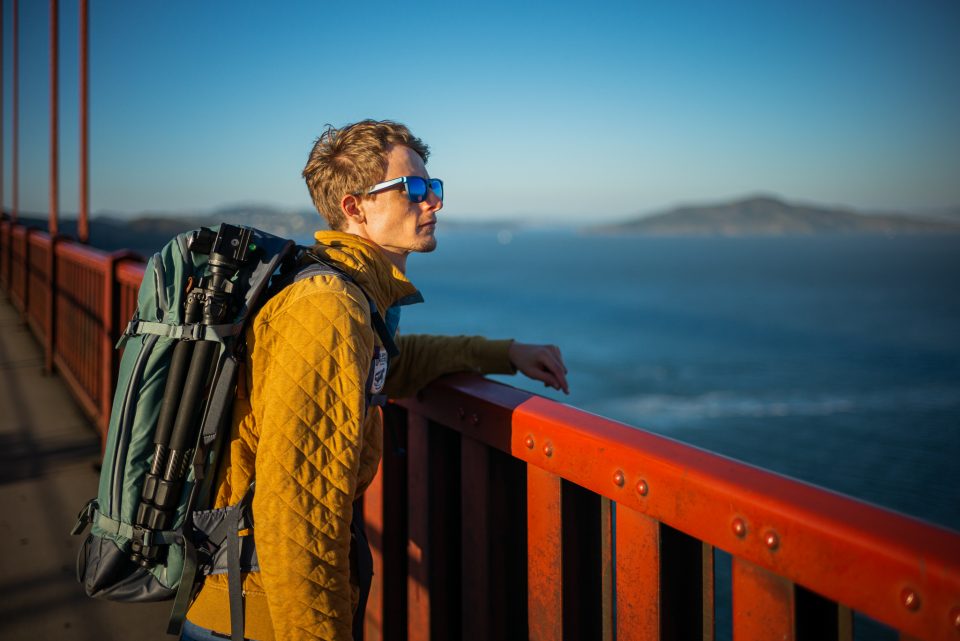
415 186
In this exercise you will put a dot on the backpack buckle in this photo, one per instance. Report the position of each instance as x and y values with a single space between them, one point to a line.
84 517
193 332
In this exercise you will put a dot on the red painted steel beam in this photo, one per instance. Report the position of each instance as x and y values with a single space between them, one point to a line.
83 223
111 329
475 540
544 556
418 528
51 311
638 576
130 275
18 265
898 570
763 604
92 258
374 526
36 283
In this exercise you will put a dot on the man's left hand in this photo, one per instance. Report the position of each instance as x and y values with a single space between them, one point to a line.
541 363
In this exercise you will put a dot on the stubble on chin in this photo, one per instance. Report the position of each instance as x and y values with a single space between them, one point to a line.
428 245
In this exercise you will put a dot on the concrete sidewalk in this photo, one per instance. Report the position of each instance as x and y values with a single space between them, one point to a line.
49 454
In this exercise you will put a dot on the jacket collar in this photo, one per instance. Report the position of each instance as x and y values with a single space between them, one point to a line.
368 267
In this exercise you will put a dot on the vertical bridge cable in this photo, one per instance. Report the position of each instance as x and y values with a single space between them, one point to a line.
83 225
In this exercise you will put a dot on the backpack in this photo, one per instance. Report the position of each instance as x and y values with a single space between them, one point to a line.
153 536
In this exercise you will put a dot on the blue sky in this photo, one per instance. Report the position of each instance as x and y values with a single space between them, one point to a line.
548 112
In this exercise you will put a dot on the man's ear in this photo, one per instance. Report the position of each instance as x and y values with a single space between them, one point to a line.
351 208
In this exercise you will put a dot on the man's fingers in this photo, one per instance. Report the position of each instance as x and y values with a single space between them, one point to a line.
542 363
556 353
557 372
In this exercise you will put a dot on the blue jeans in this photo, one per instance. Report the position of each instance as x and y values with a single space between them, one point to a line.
193 632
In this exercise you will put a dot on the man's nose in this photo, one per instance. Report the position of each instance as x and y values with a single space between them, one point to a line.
433 201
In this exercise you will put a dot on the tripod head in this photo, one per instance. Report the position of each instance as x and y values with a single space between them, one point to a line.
228 250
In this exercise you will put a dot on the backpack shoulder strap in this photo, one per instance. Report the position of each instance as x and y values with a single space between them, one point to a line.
309 265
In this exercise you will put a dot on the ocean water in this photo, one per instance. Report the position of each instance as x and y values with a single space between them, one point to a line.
835 360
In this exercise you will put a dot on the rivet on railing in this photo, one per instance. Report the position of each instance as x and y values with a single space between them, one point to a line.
771 540
642 487
474 419
739 527
910 599
618 478
548 450
955 617
529 442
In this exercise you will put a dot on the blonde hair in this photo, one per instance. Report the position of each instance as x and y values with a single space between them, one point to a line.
350 159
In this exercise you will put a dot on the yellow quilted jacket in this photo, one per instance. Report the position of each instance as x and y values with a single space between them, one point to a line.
301 430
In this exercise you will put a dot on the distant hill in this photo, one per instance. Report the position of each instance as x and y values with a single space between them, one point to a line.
146 233
770 216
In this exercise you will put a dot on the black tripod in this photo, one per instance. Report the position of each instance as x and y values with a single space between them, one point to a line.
179 421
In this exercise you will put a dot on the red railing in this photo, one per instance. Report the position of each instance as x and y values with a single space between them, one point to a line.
499 514
6 228
71 296
38 280
18 264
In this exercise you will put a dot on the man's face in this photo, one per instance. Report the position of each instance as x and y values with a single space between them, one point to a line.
391 220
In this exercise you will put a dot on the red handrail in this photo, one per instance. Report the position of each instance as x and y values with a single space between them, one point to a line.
863 556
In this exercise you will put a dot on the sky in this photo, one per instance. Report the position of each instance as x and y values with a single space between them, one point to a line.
547 112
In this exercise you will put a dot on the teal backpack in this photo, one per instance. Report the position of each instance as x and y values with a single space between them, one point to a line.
153 536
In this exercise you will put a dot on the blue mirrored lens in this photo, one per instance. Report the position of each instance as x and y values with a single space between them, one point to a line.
436 186
416 189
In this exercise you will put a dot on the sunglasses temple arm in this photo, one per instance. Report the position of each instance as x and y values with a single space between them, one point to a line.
387 184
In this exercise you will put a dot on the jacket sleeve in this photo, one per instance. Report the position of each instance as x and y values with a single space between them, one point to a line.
309 364
424 358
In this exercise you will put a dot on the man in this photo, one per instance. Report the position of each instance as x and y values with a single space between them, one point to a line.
305 430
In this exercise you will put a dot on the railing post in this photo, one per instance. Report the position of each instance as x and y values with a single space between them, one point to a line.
50 321
6 238
373 518
763 604
637 542
108 355
475 539
418 529
25 274
544 556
